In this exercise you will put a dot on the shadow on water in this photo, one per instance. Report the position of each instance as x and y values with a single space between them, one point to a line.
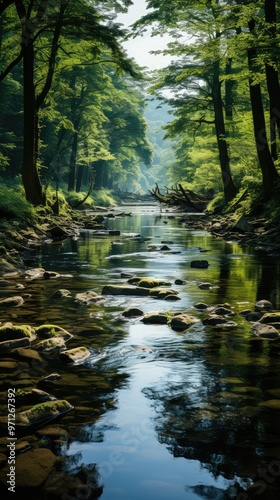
163 414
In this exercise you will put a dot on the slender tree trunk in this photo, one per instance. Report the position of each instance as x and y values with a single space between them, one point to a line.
229 84
73 162
80 176
269 172
230 190
272 78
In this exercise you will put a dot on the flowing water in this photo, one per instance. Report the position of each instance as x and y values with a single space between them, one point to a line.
166 414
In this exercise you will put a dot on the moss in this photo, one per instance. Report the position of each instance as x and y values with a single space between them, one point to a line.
152 283
11 332
48 331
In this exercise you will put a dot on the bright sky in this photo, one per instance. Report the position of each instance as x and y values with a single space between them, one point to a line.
140 47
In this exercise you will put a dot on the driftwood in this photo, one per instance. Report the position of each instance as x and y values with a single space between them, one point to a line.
179 197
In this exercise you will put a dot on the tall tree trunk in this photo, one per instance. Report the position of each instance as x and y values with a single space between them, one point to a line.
269 172
30 177
272 78
230 189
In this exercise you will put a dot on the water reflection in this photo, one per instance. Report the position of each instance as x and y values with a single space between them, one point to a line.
188 420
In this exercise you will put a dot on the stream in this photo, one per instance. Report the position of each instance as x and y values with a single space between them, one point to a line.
164 414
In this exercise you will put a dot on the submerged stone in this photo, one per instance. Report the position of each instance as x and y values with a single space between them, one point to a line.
200 264
125 290
15 301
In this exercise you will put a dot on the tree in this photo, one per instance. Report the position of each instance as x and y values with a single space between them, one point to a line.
45 29
195 76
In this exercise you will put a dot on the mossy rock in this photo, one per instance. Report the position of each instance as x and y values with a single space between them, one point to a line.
182 322
42 412
162 293
48 331
11 332
272 404
270 318
152 283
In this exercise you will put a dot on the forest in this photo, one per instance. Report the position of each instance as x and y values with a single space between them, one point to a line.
79 117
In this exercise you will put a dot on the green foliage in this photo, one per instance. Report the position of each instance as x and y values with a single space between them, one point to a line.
13 204
72 197
103 198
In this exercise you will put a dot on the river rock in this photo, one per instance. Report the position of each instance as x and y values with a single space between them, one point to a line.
264 304
171 297
11 332
49 330
148 282
74 355
270 318
214 319
199 264
132 312
32 274
50 275
15 301
62 293
245 312
179 282
33 397
205 286
87 298
42 412
253 316
162 293
223 311
125 290
155 318
183 321
51 347
32 468
8 345
265 331
200 305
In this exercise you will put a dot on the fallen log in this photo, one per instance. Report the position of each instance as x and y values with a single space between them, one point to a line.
179 197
